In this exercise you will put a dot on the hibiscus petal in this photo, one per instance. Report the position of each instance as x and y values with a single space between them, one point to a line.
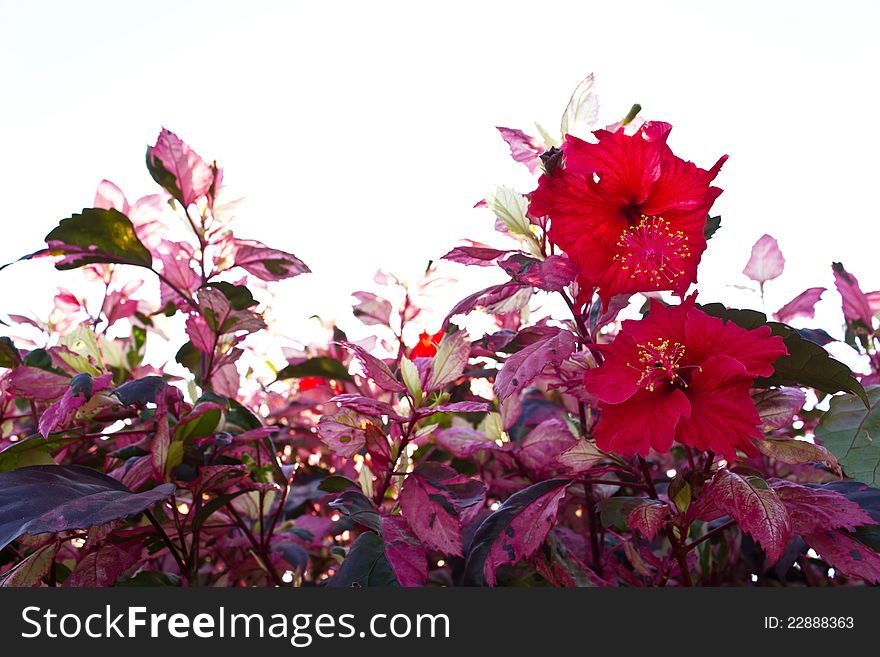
645 420
723 417
756 349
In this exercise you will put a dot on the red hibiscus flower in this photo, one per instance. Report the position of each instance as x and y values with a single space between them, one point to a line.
427 345
628 212
680 374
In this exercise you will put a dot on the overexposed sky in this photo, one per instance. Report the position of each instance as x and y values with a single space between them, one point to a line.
362 133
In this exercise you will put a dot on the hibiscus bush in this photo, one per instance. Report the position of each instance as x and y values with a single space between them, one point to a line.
589 419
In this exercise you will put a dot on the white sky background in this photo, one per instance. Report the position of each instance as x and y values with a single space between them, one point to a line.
363 133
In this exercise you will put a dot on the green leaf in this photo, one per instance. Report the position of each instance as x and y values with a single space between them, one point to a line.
852 434
324 366
97 235
336 484
365 565
9 356
239 296
33 450
712 225
807 364
614 512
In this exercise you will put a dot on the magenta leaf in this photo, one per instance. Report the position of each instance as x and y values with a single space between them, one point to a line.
754 505
97 236
406 554
266 263
371 309
526 365
31 571
375 369
464 442
37 384
766 262
803 305
649 517
523 148
433 498
344 432
54 498
515 531
795 452
848 555
552 274
62 412
856 304
541 448
476 254
177 168
813 508
101 567
777 407
504 298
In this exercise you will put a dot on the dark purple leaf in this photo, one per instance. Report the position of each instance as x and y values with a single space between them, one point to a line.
47 498
515 531
552 274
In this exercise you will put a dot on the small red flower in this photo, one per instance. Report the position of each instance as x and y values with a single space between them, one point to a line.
628 212
680 374
311 382
427 345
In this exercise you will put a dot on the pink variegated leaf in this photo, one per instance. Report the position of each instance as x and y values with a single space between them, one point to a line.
582 456
178 168
434 499
552 274
526 365
200 334
36 384
101 567
848 555
766 262
504 298
813 509
476 254
649 517
778 407
372 310
856 305
109 196
803 305
180 277
406 554
266 263
541 448
754 505
795 452
523 148
366 405
375 369
449 362
460 407
464 442
344 432
515 531
60 414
